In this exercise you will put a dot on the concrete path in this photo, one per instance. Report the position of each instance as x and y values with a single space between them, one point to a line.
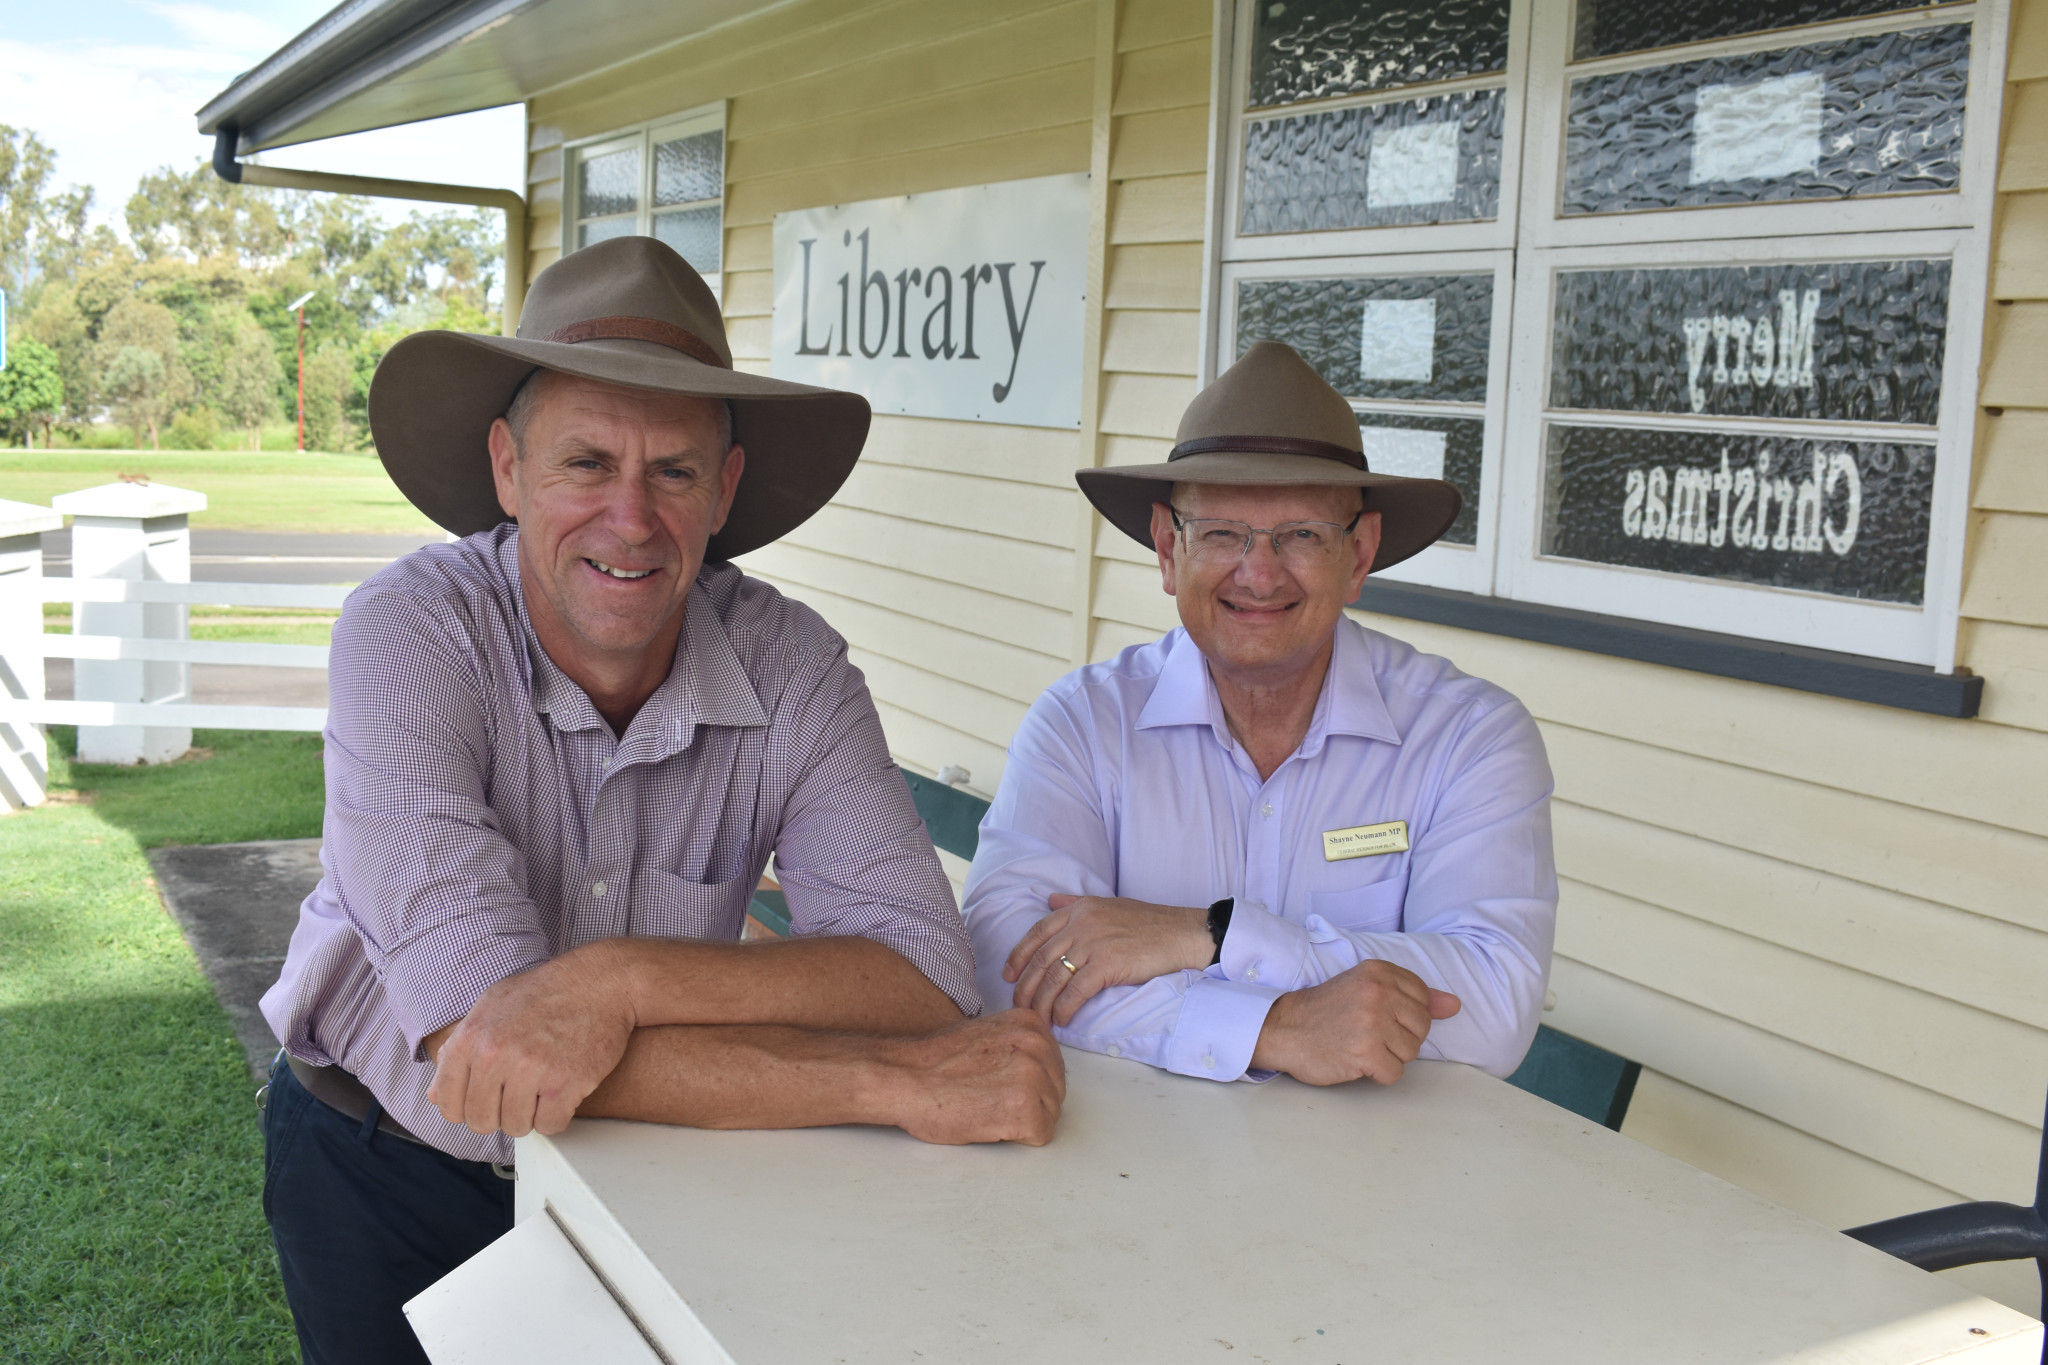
238 904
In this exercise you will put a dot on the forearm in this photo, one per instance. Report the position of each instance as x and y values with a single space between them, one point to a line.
851 984
752 1076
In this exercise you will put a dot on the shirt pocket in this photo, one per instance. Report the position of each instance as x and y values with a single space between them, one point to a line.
1373 908
668 906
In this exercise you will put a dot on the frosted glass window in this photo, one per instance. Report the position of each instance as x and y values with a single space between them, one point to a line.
609 183
689 169
1433 160
1879 114
1315 49
604 229
695 235
1606 28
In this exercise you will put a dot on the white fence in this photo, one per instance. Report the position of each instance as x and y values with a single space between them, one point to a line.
131 599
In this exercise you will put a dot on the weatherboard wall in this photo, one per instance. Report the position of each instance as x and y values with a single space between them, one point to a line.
1820 924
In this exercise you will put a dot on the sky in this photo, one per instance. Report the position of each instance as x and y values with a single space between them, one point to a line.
112 87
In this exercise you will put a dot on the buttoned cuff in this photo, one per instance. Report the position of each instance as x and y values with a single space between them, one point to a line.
1218 1028
439 976
1265 949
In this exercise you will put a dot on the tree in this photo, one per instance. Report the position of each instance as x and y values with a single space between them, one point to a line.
25 166
195 215
330 387
139 365
246 390
31 391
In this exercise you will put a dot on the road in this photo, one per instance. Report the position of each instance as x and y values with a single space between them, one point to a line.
254 557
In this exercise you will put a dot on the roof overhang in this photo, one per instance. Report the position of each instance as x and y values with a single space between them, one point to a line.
376 63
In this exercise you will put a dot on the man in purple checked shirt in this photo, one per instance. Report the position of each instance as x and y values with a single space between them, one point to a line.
1272 840
559 754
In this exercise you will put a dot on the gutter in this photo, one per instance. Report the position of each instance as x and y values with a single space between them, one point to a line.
235 172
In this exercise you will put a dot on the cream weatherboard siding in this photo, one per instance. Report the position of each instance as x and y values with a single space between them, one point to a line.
1822 926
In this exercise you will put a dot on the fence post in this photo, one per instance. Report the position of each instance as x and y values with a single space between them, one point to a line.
24 754
136 531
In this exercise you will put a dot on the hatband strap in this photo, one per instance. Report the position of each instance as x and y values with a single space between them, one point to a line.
639 329
1269 445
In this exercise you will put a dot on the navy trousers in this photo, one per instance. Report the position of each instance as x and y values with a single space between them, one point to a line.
364 1221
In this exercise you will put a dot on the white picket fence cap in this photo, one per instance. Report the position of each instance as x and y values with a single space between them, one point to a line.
125 499
27 519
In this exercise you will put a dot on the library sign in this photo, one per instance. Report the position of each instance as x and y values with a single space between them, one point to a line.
1845 513
965 304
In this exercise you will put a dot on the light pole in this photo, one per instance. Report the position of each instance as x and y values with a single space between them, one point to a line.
299 307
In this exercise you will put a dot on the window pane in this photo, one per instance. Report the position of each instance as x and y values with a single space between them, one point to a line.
1312 49
1876 115
1606 27
1419 161
1858 342
604 229
1422 337
694 234
608 184
1847 518
689 169
1429 448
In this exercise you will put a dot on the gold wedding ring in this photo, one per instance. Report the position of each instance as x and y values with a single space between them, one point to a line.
1071 968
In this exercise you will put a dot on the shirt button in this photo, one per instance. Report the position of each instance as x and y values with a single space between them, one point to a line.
1208 1063
598 889
1115 1051
1267 810
1251 973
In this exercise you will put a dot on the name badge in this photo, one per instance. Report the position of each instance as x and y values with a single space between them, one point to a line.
1365 841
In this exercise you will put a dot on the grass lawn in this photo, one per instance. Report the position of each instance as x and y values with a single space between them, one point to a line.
244 492
131 1166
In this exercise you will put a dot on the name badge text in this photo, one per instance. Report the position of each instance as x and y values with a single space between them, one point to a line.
1365 841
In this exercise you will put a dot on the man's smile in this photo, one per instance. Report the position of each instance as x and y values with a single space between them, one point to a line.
628 574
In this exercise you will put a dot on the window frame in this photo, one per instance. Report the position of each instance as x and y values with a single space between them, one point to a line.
1535 241
645 136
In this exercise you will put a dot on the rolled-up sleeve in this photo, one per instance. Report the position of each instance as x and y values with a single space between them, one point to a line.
852 854
418 862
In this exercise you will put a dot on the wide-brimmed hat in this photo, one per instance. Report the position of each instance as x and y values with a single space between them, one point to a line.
629 311
1271 419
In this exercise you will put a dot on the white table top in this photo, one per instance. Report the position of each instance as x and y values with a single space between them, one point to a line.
1449 1218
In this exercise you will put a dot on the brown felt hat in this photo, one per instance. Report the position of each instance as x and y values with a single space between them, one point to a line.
1271 419
629 311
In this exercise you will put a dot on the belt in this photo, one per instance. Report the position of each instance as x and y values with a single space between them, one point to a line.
345 1095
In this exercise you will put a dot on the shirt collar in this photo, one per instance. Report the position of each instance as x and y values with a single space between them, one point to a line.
1351 702
706 683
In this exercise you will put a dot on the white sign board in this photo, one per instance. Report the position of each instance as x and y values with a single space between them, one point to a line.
965 303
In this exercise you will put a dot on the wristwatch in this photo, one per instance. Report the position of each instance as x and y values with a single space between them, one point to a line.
1219 924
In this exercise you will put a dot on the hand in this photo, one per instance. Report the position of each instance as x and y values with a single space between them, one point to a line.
1110 942
1367 1021
533 1047
996 1079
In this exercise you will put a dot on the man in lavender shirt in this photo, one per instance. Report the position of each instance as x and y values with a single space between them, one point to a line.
1273 840
559 754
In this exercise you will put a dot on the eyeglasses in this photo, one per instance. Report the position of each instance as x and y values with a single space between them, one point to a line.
1298 544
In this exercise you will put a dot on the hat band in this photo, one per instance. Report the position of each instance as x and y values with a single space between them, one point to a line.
1269 445
639 329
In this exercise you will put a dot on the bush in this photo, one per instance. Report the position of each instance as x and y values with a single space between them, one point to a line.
194 429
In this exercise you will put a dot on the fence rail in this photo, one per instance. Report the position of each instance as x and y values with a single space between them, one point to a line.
131 554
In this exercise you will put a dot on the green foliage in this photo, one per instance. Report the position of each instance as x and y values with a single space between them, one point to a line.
131 1225
195 429
222 261
31 390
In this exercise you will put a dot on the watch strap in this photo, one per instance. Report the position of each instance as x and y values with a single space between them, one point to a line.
1219 924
